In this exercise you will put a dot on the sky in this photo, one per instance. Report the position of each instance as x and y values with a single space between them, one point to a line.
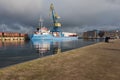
76 15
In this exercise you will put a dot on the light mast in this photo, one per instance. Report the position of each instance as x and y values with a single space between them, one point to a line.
41 22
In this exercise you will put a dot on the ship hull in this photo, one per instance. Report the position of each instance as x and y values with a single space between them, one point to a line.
35 37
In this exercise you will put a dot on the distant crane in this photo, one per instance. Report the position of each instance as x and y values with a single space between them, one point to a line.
56 25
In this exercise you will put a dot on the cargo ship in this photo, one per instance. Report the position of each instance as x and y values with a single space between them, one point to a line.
42 33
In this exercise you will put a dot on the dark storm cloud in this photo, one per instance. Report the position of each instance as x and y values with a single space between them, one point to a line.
22 10
18 14
93 14
16 28
81 15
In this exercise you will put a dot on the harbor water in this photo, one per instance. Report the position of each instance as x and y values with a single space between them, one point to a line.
14 52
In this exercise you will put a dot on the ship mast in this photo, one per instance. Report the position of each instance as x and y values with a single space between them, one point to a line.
40 23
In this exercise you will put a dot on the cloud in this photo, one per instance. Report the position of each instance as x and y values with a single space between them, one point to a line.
74 13
16 28
24 11
21 7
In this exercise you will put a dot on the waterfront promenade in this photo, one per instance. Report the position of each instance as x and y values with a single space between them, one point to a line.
100 61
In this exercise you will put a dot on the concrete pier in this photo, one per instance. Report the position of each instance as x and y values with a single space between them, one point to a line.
100 61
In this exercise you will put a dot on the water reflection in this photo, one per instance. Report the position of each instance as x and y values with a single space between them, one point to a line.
56 47
45 47
42 46
14 43
13 52
95 40
48 47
